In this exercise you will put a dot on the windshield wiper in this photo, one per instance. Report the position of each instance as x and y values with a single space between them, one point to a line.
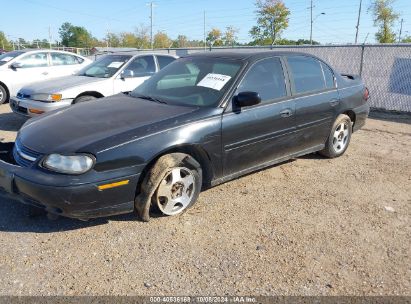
147 97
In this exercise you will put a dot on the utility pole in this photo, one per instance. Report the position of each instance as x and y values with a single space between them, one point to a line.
50 36
273 31
108 38
311 30
205 39
358 23
151 26
399 36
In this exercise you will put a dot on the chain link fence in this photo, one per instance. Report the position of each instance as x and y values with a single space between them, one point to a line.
385 68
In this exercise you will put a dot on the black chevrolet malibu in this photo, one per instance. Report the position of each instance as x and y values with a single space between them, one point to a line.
203 120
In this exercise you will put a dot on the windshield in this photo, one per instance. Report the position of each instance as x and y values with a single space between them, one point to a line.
105 67
191 82
6 57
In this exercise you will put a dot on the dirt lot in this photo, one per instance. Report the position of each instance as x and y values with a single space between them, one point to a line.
311 226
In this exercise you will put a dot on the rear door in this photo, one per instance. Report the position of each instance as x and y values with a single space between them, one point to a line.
256 135
64 64
315 94
141 68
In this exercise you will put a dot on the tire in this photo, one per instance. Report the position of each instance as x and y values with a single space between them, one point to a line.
4 96
170 187
83 98
339 138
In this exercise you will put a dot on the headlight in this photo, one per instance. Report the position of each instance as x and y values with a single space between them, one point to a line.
73 164
47 97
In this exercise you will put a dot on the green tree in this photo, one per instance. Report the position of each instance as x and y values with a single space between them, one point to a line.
75 36
113 40
128 39
181 41
161 41
272 20
230 35
142 37
214 37
4 43
384 17
406 39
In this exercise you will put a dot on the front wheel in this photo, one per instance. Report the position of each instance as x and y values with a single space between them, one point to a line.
3 94
83 98
171 186
339 138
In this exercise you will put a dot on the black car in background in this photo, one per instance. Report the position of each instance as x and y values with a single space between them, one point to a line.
203 120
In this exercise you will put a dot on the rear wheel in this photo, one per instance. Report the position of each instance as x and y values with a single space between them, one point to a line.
339 138
83 98
3 94
170 187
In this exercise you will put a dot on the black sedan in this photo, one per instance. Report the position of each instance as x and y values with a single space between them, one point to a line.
201 121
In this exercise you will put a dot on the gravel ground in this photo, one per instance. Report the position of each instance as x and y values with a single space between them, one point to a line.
311 226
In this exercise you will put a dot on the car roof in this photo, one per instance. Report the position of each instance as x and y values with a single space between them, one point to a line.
133 53
245 55
46 50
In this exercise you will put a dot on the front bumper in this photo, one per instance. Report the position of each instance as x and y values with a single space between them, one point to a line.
24 106
64 194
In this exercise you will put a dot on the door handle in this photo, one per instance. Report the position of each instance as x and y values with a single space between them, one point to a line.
286 113
334 102
45 73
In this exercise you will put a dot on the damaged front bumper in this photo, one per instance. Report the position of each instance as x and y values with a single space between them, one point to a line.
66 195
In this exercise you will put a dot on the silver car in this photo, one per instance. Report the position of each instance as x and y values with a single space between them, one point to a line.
109 75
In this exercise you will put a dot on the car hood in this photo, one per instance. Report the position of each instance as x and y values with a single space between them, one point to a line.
100 121
59 84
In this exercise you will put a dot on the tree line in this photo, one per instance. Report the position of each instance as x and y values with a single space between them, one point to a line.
272 20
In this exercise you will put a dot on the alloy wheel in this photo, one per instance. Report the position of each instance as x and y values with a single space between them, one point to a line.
175 191
340 138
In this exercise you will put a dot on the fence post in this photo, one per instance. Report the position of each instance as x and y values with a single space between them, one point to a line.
362 58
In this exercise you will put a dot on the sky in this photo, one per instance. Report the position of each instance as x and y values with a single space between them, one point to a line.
31 19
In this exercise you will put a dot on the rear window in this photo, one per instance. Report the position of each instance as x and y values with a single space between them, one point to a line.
306 73
328 76
164 60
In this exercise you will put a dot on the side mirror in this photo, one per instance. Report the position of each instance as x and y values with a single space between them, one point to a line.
247 99
16 65
127 74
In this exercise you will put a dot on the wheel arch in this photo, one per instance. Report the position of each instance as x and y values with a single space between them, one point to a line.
90 93
351 115
195 151
7 90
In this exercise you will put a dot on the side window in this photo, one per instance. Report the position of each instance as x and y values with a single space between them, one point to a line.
142 65
306 73
36 60
164 60
265 77
63 59
328 76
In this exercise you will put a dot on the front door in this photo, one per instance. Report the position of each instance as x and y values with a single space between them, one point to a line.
33 68
135 73
260 134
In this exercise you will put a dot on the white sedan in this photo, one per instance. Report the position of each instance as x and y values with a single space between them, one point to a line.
19 68
111 74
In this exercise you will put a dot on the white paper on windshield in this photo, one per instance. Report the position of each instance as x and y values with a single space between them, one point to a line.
115 64
6 59
214 81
